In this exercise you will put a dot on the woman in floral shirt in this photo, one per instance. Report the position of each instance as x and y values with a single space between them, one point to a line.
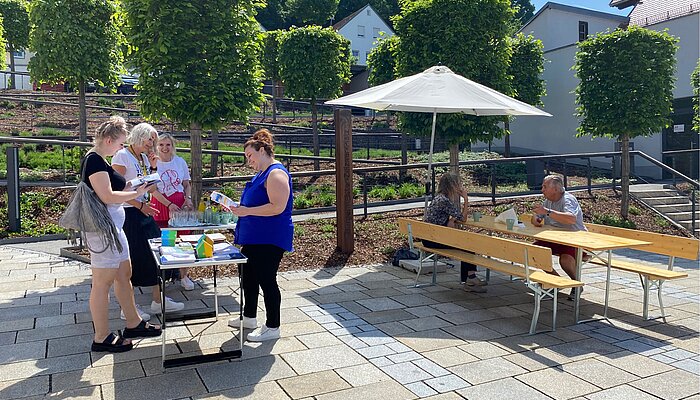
442 211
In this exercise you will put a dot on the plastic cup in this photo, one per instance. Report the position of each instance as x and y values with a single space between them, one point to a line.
509 223
476 216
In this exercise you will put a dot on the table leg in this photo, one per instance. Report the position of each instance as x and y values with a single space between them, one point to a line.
607 284
577 299
240 307
161 286
216 297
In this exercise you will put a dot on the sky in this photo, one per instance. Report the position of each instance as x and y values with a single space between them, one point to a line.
598 5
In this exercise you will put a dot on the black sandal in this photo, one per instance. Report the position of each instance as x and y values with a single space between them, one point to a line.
144 329
113 343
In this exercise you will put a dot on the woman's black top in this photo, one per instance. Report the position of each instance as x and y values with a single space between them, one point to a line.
95 163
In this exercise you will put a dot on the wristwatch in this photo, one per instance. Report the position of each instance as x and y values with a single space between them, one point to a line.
548 211
189 197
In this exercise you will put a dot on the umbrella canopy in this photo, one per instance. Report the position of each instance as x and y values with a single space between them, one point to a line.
437 90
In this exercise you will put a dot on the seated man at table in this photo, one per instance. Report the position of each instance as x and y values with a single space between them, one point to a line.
560 209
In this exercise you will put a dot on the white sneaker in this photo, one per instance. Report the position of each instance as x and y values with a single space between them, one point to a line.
248 323
187 283
264 333
144 315
170 306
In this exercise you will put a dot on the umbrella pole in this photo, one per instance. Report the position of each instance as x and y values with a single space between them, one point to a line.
430 162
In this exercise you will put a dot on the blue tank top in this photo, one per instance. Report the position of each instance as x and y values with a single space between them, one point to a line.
278 229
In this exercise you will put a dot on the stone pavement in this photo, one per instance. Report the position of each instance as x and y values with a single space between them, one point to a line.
355 333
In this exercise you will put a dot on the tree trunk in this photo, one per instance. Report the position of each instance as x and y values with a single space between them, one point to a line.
506 151
274 101
12 68
82 111
196 155
214 146
314 130
625 175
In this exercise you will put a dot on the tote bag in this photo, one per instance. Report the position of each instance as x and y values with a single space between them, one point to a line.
85 212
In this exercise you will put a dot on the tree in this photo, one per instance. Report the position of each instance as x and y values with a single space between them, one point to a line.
526 66
15 21
198 65
315 63
76 41
625 89
385 8
381 61
310 12
473 45
271 17
524 10
271 65
695 82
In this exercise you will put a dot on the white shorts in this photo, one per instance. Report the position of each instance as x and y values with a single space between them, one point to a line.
110 258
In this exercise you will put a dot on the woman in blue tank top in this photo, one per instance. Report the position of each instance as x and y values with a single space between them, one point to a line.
265 232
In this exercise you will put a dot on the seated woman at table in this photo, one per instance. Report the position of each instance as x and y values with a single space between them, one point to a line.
442 211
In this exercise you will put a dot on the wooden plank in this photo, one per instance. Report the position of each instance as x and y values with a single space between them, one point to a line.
343 179
668 245
656 273
506 249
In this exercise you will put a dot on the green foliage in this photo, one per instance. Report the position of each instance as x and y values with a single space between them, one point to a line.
695 82
270 53
15 21
385 193
505 174
3 42
315 62
381 61
473 44
328 227
526 66
198 60
271 16
410 190
75 41
626 82
524 10
634 210
614 220
310 12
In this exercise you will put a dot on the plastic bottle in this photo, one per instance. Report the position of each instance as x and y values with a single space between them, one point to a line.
208 213
201 207
222 199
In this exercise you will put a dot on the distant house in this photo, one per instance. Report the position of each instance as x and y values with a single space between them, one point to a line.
362 28
560 28
22 82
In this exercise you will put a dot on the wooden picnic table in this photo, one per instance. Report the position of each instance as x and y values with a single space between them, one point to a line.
593 242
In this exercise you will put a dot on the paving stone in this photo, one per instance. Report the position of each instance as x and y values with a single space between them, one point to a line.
363 374
430 367
616 333
423 311
428 340
420 389
378 317
486 370
635 363
312 384
321 359
7 338
56 320
598 373
375 351
387 390
353 342
413 300
472 332
484 350
22 351
96 376
19 313
689 365
381 361
19 302
447 383
177 384
393 328
671 385
43 366
679 354
29 386
300 328
621 392
403 357
406 372
262 391
502 389
426 323
449 357
321 339
557 384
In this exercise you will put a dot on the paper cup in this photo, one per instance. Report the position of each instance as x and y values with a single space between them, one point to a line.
509 223
476 216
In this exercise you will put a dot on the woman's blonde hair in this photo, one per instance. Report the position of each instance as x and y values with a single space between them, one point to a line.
168 136
140 133
448 184
113 128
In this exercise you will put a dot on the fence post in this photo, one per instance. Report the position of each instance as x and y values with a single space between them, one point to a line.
343 179
493 183
363 176
13 216
693 201
589 177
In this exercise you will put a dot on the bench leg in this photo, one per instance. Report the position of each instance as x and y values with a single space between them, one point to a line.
645 285
435 270
554 310
540 294
422 258
661 302
535 313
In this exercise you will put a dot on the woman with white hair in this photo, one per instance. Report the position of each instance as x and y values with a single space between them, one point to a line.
133 161
175 186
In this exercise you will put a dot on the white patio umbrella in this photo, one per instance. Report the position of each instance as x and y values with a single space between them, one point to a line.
437 90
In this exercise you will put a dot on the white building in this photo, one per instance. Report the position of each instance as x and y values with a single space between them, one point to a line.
21 61
362 28
560 28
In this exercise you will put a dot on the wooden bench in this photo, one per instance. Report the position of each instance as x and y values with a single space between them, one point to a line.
510 257
668 245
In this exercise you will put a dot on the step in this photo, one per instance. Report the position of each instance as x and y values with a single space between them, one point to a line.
671 208
688 224
683 216
653 201
655 193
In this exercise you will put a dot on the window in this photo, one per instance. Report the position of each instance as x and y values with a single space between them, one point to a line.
582 31
356 54
369 12
19 54
360 30
366 55
375 32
